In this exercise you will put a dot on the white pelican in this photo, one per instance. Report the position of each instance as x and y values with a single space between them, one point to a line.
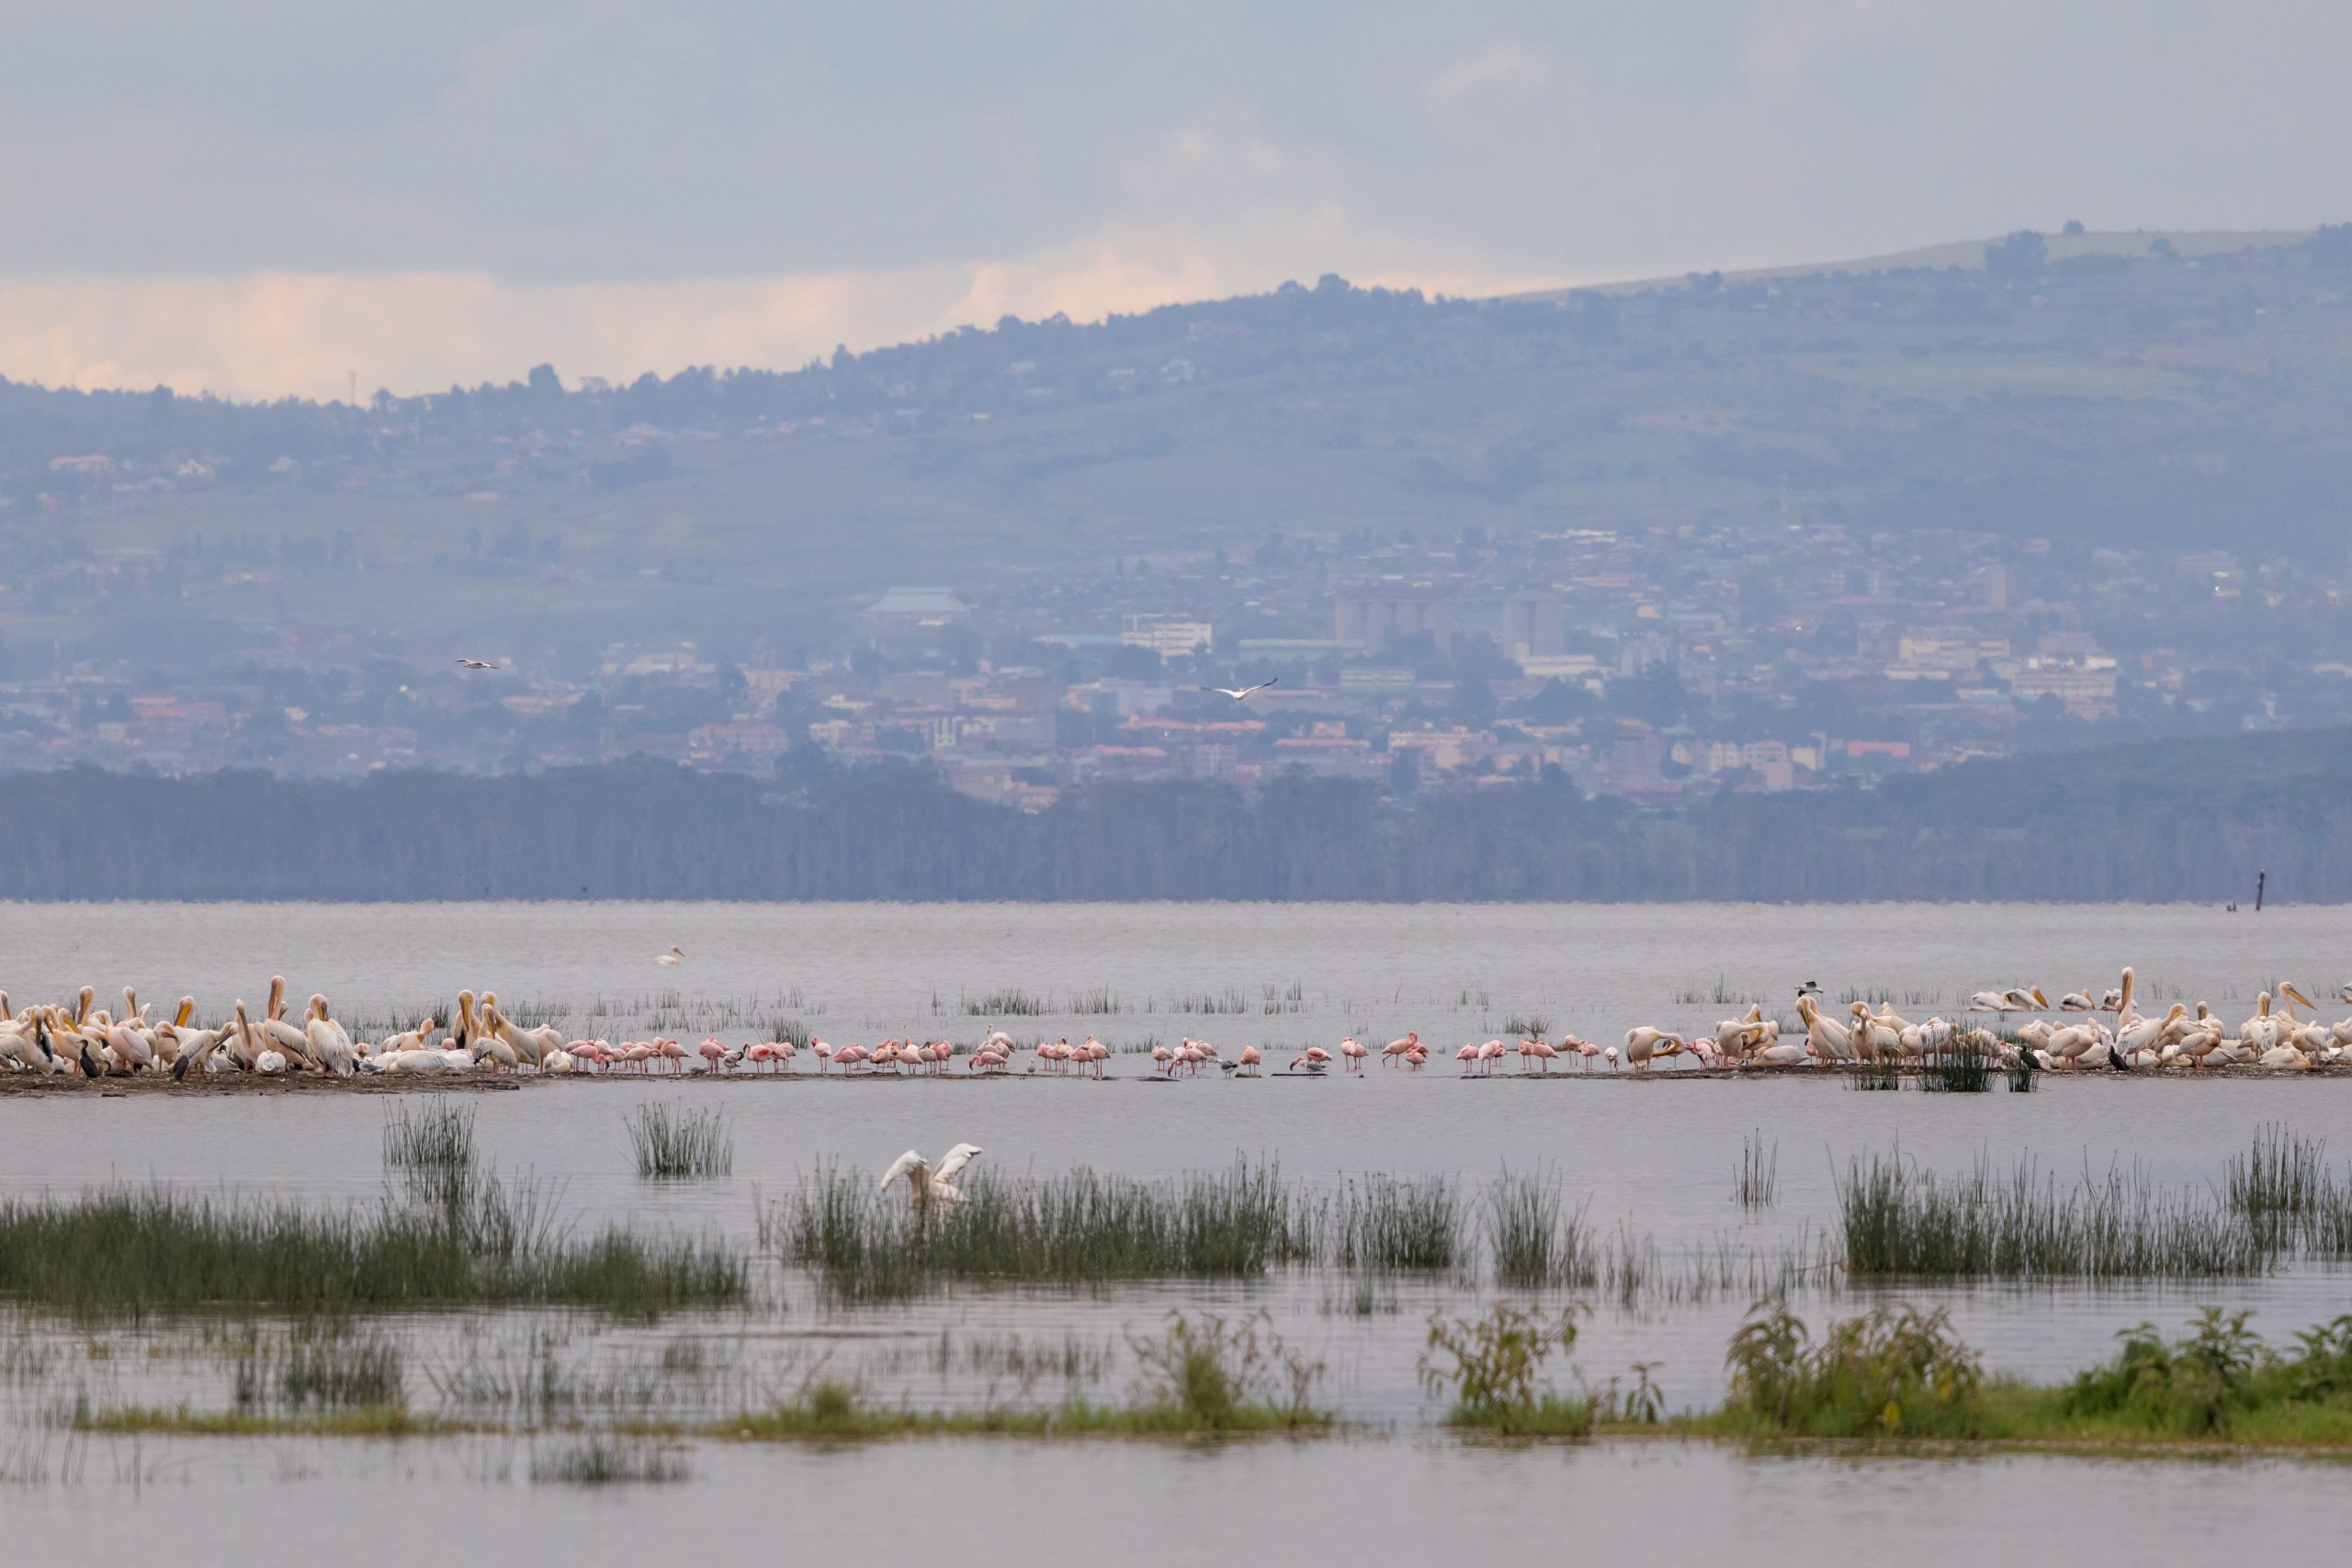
2018 998
672 959
2124 1011
330 1044
1825 1037
2261 1031
927 1183
1643 1044
528 1044
2077 1001
290 1041
1240 694
2144 1033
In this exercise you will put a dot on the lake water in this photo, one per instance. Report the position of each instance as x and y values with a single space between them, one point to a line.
1652 1162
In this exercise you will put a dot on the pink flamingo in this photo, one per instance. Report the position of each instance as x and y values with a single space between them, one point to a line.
1250 1059
1469 1057
1542 1052
1396 1049
759 1055
1353 1049
1416 1059
1319 1056
1488 1054
712 1053
1163 1061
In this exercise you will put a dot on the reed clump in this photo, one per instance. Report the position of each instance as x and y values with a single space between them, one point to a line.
1896 1221
1956 1072
1756 1183
1385 1224
439 1136
465 1239
1012 1002
606 1458
324 1364
1535 1240
1883 1073
866 1245
675 1144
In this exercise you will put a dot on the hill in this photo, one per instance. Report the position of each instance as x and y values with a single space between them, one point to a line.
2194 392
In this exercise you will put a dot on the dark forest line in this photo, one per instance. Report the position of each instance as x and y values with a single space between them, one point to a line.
2161 821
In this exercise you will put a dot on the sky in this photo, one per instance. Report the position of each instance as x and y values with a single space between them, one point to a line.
264 197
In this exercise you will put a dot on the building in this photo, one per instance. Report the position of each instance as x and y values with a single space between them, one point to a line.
1168 636
1372 616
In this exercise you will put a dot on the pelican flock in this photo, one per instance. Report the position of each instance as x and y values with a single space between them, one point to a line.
82 1041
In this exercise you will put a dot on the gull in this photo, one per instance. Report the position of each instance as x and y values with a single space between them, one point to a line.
476 664
1239 692
928 1183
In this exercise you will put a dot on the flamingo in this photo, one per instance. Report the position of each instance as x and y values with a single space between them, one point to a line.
1542 1052
1398 1048
712 1053
1251 1058
1353 1049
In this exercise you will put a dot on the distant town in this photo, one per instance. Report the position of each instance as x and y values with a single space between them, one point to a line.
1644 662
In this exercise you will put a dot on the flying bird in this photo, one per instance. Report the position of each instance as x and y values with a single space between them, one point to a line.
1239 692
476 664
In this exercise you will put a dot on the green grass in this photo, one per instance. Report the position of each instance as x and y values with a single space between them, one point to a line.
439 1136
1756 1182
606 1458
180 1421
1013 1002
1389 1223
680 1145
866 1245
1492 1370
467 1240
1956 1072
1895 1220
1534 1239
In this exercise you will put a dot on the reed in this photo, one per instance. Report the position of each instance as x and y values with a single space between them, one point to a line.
793 1030
439 1136
1896 1221
1956 1072
1535 1240
680 1145
465 1239
2023 1074
323 1365
605 1458
1102 1000
1756 1184
1529 1026
1011 1003
2283 1174
1386 1223
1886 1073
866 1245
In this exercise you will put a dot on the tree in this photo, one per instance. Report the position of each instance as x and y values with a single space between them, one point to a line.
2023 255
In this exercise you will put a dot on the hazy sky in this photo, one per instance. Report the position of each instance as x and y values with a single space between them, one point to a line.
258 195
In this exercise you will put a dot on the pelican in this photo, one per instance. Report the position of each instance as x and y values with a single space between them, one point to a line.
2124 1011
1240 694
1644 1044
330 1044
672 959
528 1044
288 1040
2144 1033
929 1184
2261 1031
1825 1038
2077 1001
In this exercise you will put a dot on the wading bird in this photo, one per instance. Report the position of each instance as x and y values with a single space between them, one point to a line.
927 1183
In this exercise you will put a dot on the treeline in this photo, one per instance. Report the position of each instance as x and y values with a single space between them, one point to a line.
2158 822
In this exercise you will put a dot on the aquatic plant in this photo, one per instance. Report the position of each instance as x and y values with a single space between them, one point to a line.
1492 1367
1956 1072
1013 1002
604 1458
1212 1375
1896 1371
682 1144
1387 1223
1897 1221
866 1245
324 1364
1533 1239
1885 1073
1531 1026
1756 1182
464 1239
439 1136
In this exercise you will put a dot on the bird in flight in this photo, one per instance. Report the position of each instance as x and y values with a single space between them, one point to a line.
1238 692
476 664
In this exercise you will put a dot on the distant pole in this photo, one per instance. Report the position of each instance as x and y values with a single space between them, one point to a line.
2259 878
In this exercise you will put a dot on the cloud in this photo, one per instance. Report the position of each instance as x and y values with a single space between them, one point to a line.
1505 68
456 174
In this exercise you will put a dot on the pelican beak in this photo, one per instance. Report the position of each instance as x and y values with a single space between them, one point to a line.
2041 1000
2297 995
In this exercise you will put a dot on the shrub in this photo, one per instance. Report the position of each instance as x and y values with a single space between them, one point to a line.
1896 1372
1493 1367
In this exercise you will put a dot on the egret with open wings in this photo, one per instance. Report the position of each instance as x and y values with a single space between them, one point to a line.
928 1183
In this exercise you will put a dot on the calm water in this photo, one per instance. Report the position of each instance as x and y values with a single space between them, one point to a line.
1653 1160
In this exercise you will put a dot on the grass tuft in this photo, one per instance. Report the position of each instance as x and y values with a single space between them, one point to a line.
439 1136
675 1144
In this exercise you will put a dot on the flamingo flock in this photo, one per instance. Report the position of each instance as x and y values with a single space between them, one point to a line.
2082 1031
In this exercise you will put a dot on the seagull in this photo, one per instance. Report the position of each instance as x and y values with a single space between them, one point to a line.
929 1183
671 959
476 664
1238 692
